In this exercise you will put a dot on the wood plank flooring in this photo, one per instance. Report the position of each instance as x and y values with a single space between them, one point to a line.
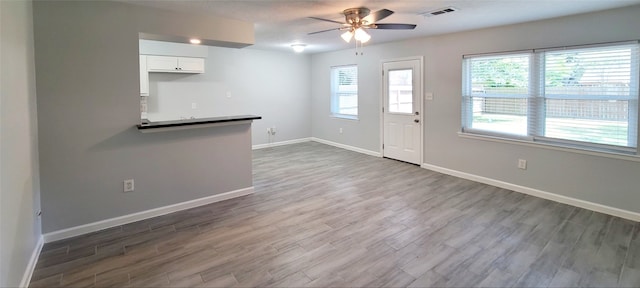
327 217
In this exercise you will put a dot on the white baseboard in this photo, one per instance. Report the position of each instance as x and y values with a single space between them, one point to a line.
274 144
121 220
634 216
31 266
347 147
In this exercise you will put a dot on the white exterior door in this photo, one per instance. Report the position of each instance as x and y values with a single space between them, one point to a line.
402 110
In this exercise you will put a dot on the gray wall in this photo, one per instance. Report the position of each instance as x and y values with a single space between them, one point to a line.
88 103
608 181
19 183
274 85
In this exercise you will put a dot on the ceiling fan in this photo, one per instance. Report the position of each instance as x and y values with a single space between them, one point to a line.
359 19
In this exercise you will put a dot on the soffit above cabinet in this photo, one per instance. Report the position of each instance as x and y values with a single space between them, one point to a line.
179 27
149 47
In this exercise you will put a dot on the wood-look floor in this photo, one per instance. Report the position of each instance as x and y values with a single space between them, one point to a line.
326 217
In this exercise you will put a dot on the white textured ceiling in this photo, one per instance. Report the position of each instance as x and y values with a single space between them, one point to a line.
278 23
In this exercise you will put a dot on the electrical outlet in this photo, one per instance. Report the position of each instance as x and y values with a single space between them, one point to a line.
273 130
128 185
522 164
340 130
194 105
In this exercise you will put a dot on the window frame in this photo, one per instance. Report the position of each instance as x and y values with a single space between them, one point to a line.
467 88
536 104
335 97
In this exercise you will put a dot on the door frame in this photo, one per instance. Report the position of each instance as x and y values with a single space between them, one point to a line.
420 99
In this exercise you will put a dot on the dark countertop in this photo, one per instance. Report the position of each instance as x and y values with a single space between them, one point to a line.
193 122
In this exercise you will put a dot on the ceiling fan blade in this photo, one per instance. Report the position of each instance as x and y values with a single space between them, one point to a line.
327 20
394 26
377 16
332 29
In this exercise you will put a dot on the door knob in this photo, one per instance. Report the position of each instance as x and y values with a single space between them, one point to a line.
416 120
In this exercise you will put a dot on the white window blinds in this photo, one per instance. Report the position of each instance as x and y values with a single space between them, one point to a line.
583 97
496 92
344 91
591 94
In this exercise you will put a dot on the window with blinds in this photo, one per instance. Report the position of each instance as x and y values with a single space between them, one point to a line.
496 90
585 97
344 91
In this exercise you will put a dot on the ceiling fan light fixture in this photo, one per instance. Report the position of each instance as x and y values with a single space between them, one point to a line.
362 35
298 48
357 20
346 36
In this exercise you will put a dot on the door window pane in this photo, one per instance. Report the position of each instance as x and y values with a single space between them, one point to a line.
401 91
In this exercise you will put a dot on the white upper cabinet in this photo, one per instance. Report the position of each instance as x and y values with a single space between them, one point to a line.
173 64
162 64
144 76
195 65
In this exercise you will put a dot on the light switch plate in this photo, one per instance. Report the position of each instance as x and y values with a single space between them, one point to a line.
428 96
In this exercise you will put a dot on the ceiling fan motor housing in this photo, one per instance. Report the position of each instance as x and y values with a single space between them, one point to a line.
354 16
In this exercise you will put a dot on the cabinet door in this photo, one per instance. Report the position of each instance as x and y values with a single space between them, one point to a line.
195 65
144 76
162 63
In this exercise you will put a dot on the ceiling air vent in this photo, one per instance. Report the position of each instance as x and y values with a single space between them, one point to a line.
440 11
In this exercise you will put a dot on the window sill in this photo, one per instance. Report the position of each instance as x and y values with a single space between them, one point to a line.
342 116
611 155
